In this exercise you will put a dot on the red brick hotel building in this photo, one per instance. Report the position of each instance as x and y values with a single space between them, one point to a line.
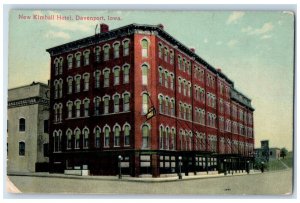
103 86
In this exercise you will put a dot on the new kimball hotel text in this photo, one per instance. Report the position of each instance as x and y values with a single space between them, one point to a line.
103 86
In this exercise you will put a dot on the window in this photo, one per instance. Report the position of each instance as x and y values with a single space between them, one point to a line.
166 54
179 85
116 50
179 63
172 143
106 105
60 68
22 124
97 79
172 107
78 63
145 103
167 136
70 108
85 138
97 137
106 137
69 139
116 76
161 99
97 54
56 64
160 72
126 48
171 57
160 50
144 48
161 137
77 84
21 148
86 56
46 126
171 81
116 103
106 78
46 149
126 74
106 52
127 135
126 102
117 136
86 108
144 74
59 112
77 139
97 106
166 79
77 104
70 85
167 105
145 136
86 78
60 87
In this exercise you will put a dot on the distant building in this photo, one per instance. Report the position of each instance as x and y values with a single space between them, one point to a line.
27 130
265 153
103 88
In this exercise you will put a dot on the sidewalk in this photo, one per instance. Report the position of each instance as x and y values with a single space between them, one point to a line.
163 178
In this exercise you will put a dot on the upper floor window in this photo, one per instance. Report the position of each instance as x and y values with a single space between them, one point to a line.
69 139
145 46
97 54
77 84
70 108
60 67
86 138
56 64
160 50
126 48
106 105
21 148
179 62
106 137
78 62
86 56
116 50
127 135
86 78
97 106
70 61
97 137
22 124
116 76
77 139
106 78
145 103
77 104
166 54
106 52
86 107
126 74
117 136
144 74
116 103
171 56
70 85
97 79
126 102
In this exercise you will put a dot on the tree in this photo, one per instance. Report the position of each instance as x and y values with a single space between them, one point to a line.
283 152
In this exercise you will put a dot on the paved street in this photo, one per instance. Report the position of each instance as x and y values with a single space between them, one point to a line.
279 182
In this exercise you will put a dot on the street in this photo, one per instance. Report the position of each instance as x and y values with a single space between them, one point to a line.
270 183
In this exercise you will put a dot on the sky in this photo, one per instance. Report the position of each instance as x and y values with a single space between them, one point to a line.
254 49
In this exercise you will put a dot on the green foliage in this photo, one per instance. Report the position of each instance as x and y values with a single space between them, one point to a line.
283 152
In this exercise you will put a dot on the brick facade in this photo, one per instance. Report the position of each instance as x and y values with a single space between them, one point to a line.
193 102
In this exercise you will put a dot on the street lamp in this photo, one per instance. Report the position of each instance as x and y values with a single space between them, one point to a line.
225 168
120 168
248 167
180 176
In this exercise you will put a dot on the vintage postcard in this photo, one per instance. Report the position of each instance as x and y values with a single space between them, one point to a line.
150 102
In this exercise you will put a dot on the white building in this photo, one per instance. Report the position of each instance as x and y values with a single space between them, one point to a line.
27 130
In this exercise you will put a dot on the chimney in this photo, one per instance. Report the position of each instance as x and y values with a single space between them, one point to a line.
219 70
193 50
104 28
160 26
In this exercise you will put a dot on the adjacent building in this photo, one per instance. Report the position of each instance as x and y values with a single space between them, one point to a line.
27 128
138 92
265 153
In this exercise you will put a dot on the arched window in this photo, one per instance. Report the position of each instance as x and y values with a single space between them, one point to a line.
97 79
145 136
86 107
22 124
145 46
116 103
173 139
167 105
70 61
127 135
144 74
117 136
86 78
77 139
69 139
160 50
70 85
77 84
161 137
167 135
181 135
166 79
116 76
70 109
166 54
106 137
172 107
21 148
126 47
97 137
179 62
116 50
97 54
160 100
106 52
85 138
56 89
86 56
78 57
106 78
126 102
77 104
160 74
97 106
145 103
126 74
171 81
56 64
171 56
60 68
106 105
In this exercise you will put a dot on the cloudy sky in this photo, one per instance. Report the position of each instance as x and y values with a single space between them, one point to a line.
254 49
